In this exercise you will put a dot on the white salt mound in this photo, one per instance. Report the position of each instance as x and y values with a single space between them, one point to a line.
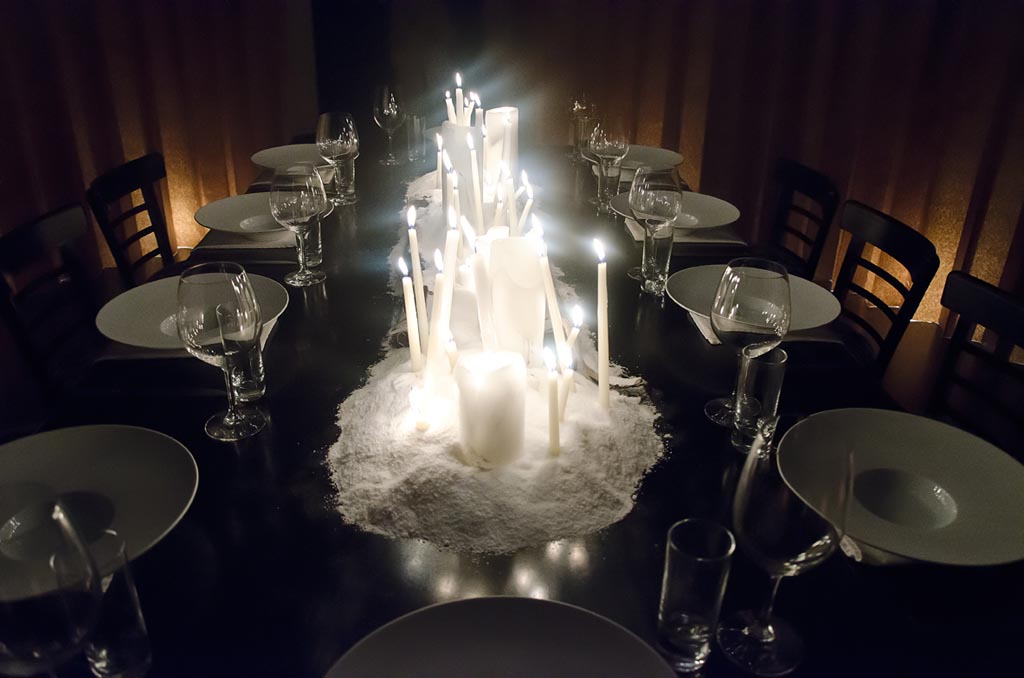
399 482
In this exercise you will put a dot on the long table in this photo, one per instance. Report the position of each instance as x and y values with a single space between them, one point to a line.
263 578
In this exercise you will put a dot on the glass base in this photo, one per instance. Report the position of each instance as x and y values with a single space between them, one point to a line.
304 278
720 411
246 424
654 287
741 645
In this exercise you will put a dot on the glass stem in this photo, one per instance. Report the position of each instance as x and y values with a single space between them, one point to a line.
300 248
391 155
232 414
761 630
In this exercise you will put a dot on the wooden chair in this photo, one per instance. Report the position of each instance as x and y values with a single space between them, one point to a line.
798 244
105 196
45 299
864 316
980 388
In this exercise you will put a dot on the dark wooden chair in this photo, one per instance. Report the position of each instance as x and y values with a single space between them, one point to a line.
980 386
806 203
875 325
106 196
46 300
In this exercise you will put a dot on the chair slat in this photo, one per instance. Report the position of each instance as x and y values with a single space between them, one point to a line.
874 299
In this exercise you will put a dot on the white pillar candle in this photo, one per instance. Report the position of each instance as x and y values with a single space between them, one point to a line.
602 325
577 320
554 443
417 274
526 209
415 355
460 104
506 144
502 138
517 294
437 313
440 146
510 201
482 288
564 383
478 196
492 407
450 107
557 330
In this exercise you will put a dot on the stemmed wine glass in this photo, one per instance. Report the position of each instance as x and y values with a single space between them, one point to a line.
656 198
338 142
610 147
784 537
389 114
49 590
219 322
751 308
296 198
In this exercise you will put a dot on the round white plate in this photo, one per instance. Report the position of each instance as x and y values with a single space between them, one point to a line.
501 637
144 316
699 211
650 156
130 479
247 215
922 489
694 289
283 156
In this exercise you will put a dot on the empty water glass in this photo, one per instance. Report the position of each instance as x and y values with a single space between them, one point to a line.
757 393
610 146
338 142
697 560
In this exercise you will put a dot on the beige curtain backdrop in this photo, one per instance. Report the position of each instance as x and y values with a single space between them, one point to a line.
912 106
86 85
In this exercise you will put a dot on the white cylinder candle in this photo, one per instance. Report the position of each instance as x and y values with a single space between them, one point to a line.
417 274
478 196
460 104
492 407
415 355
502 138
557 330
435 350
602 325
517 294
554 443
482 288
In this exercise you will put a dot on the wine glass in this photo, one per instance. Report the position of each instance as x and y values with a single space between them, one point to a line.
784 537
656 198
49 590
389 114
610 146
338 142
219 322
583 111
751 308
296 198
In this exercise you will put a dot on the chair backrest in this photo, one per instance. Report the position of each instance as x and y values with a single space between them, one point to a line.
913 251
45 299
800 232
979 387
105 197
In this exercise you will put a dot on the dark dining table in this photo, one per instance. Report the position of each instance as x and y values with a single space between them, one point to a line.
262 576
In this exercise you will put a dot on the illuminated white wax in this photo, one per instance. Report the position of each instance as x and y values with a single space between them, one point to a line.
451 108
460 103
564 383
554 442
417 274
517 294
602 325
415 355
510 201
456 201
446 194
524 181
452 351
492 407
502 140
440 147
577 320
438 314
499 210
479 109
526 209
418 408
478 196
467 119
451 249
554 312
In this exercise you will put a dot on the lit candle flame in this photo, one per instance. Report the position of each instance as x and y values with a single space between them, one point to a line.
438 261
469 140
458 80
599 248
410 216
402 267
447 94
549 358
577 315
453 221
467 228
440 142
523 179
475 98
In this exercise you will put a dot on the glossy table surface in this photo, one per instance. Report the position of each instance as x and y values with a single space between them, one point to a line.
263 578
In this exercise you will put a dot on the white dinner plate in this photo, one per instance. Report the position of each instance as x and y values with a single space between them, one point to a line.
133 480
698 211
144 316
501 637
694 289
922 489
283 156
650 156
247 215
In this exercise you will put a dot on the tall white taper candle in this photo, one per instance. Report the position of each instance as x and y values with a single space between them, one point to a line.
478 196
602 325
415 354
557 330
554 442
417 274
